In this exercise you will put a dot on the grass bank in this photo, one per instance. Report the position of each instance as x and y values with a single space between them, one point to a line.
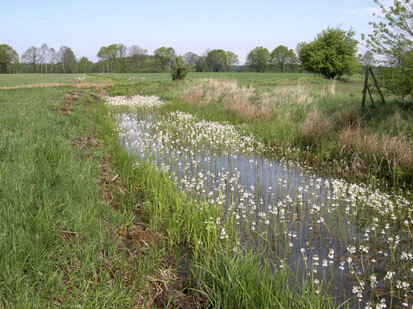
62 243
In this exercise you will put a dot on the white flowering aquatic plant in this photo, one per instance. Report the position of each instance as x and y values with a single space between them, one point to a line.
134 101
344 230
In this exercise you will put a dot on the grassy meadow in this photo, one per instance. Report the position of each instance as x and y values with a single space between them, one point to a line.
93 215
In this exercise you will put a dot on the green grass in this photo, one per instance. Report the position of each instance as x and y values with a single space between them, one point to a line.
8 80
58 245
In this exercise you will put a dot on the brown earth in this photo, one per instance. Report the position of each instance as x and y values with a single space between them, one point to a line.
42 85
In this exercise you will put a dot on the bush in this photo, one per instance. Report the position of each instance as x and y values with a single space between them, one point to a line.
398 80
179 69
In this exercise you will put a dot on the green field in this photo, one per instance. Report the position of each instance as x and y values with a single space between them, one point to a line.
24 79
86 224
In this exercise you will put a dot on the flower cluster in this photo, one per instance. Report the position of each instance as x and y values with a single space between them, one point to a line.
134 101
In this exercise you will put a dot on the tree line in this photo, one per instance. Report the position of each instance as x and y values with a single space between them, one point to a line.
331 54
119 58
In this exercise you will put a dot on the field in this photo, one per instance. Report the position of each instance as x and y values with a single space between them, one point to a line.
235 190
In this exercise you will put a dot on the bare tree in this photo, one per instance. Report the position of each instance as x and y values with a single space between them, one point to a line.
31 55
136 50
190 59
122 50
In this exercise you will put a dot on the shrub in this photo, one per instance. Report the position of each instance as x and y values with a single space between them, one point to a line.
179 69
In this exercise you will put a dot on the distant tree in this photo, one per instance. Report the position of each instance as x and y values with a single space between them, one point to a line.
393 37
122 50
200 65
190 59
257 59
297 50
31 56
137 55
216 60
84 65
52 58
179 69
231 60
292 60
280 56
164 56
108 54
8 56
332 54
44 56
67 59
136 50
367 59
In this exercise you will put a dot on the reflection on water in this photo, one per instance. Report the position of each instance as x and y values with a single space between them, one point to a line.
296 215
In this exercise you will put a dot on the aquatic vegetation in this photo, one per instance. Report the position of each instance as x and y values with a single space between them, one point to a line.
350 240
134 101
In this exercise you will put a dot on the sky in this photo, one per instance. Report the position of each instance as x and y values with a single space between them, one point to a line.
185 25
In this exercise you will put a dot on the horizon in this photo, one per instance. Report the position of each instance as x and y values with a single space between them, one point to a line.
186 26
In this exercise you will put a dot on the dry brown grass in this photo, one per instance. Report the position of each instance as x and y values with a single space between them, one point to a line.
248 102
381 151
315 127
231 95
350 117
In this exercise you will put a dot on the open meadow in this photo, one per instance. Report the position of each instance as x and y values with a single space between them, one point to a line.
224 190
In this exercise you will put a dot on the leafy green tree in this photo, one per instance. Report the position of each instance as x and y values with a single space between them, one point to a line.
200 65
164 56
280 56
67 59
31 56
179 69
393 37
231 60
332 54
393 33
108 54
84 65
8 56
258 58
216 60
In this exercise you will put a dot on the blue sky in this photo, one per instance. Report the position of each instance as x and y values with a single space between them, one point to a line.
185 25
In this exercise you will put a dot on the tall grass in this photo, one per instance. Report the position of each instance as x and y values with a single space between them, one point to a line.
386 152
59 245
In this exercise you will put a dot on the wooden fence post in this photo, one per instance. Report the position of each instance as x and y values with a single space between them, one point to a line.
377 86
